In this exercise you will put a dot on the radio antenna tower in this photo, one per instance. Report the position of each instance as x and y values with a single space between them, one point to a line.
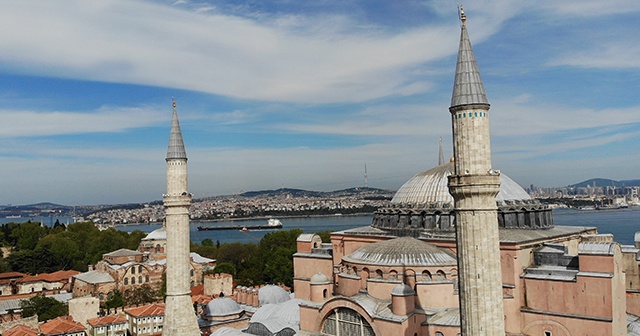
366 179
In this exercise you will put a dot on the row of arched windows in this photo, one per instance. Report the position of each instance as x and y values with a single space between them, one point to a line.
133 280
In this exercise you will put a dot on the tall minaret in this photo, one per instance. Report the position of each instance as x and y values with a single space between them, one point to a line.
180 318
474 187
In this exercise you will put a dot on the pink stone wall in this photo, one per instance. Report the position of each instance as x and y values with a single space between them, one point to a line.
436 295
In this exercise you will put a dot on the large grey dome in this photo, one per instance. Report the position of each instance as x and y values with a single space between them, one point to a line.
223 306
402 251
158 234
431 186
272 294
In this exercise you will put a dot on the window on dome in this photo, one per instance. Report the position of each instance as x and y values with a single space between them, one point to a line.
345 321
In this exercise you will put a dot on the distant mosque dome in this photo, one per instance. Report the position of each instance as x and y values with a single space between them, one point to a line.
431 186
423 204
402 251
158 234
223 307
272 294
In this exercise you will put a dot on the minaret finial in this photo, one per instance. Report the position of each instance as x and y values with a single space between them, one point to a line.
174 104
440 153
461 14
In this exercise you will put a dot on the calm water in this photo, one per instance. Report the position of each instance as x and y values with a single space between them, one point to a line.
621 223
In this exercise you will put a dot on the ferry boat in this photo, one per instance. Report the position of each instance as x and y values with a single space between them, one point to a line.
273 223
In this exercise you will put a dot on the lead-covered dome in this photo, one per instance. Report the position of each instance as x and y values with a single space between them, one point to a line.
431 187
223 306
402 251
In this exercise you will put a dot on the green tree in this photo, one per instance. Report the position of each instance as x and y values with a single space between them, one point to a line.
140 295
27 235
45 307
207 242
116 300
224 267
325 236
64 249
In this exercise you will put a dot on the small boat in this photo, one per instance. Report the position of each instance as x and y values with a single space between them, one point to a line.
273 223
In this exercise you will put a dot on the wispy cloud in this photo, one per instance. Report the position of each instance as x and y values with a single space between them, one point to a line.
37 124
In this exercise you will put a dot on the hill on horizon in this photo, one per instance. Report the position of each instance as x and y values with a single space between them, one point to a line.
602 182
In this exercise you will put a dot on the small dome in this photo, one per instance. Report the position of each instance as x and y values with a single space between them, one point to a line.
402 290
431 186
223 306
319 279
159 234
272 294
402 251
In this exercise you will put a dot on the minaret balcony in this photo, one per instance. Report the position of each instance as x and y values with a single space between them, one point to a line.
177 199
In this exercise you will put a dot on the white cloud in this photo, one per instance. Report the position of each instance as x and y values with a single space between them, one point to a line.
151 44
31 123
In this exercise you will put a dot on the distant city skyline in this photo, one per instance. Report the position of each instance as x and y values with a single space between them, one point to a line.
302 95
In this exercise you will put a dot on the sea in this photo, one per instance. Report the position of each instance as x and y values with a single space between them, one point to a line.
622 223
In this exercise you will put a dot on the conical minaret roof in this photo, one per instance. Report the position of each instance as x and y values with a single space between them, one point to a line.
467 87
176 144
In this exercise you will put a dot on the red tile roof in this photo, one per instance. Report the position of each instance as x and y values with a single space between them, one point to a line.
61 325
107 320
197 290
154 309
21 330
50 277
6 278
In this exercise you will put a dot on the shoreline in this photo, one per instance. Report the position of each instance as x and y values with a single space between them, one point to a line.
195 221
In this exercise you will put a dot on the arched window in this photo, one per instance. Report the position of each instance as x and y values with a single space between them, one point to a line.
133 280
426 275
345 321
147 278
126 281
439 333
133 270
140 269
441 275
379 274
140 279
324 293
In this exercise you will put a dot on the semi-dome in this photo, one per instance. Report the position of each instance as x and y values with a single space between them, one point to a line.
319 279
431 186
272 294
402 251
402 290
223 306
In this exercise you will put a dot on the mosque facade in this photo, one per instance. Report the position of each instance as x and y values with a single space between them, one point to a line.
416 271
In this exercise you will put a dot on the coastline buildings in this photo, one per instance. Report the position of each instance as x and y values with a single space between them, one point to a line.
433 264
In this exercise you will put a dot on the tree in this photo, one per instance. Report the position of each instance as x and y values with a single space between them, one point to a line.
140 295
27 235
45 307
114 301
224 267
207 242
325 236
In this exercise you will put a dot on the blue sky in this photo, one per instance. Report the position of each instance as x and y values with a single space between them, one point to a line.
303 94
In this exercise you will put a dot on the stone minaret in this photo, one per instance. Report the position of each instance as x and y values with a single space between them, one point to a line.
180 318
474 187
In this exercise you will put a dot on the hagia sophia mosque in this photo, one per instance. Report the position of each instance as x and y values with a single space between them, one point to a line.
461 250
401 275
